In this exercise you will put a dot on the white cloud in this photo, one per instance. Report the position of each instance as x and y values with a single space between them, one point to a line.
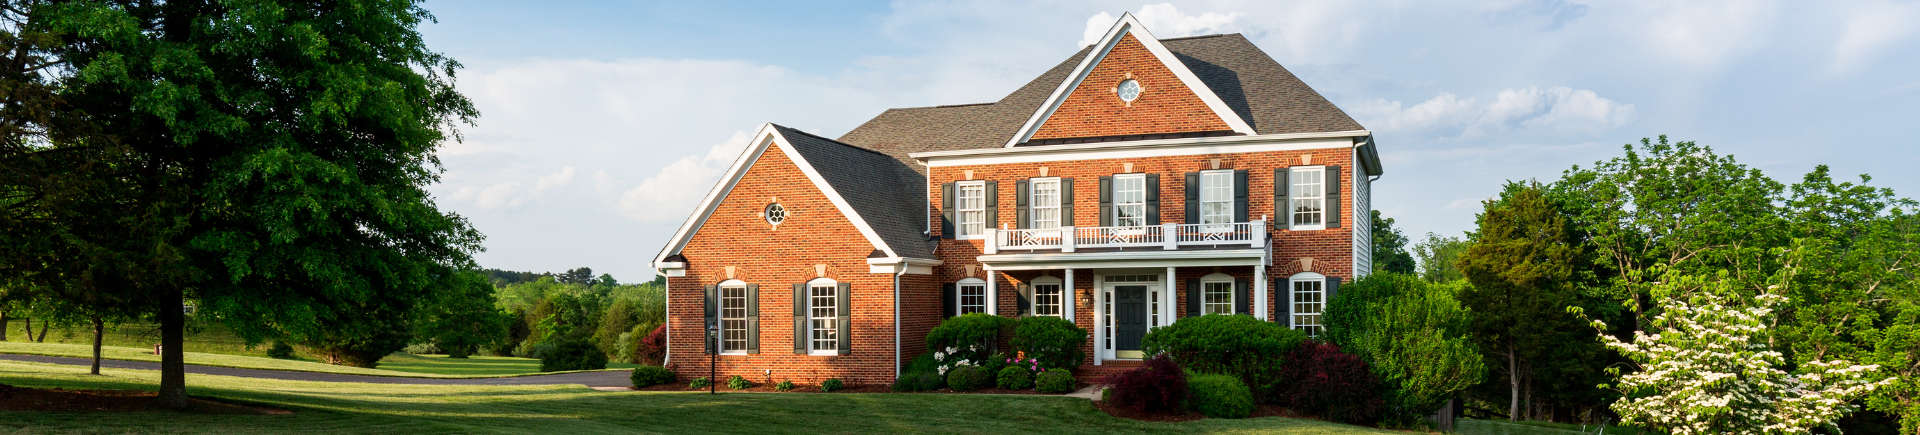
1557 109
556 179
672 193
1703 34
1163 20
1869 30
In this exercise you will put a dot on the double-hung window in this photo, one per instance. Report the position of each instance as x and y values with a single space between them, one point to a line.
823 317
1216 200
973 296
1047 297
973 209
1308 196
733 317
1130 200
1309 299
1044 203
1216 296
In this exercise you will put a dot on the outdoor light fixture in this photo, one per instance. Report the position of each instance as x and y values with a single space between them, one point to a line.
713 355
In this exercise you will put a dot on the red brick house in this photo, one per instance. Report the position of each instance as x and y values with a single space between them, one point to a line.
1139 181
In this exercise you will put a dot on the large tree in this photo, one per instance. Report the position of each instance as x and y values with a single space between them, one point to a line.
1439 257
1389 246
267 160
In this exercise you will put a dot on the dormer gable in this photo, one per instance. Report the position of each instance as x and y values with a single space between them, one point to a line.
1129 85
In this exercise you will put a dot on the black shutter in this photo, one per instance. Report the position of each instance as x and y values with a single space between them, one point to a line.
1193 198
1243 296
1153 199
753 318
1020 205
1022 303
1283 310
842 309
1333 288
713 317
948 293
1193 298
1106 201
1333 196
1066 202
946 211
800 319
1282 212
1240 196
993 206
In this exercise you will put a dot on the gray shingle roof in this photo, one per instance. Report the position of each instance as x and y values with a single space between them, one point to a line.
890 196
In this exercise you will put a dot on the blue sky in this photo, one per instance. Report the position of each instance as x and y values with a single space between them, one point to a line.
603 122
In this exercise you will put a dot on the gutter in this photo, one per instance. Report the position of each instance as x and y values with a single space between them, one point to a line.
1150 143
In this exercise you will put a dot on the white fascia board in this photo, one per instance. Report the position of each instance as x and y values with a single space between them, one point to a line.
1126 259
765 138
1128 24
1139 149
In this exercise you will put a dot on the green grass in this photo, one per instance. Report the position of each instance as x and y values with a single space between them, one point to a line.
1500 427
421 409
203 339
399 364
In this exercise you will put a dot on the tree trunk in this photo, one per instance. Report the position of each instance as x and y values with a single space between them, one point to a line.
3 326
44 327
29 321
173 370
1513 386
99 329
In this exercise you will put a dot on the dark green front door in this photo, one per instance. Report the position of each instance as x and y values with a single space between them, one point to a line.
1129 317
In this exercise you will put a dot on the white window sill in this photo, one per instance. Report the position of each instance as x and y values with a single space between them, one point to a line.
823 353
1308 228
733 353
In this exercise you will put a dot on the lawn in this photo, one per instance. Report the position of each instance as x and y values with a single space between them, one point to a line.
1502 427
421 409
399 364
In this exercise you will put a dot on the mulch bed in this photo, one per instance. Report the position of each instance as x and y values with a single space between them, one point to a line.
62 400
765 388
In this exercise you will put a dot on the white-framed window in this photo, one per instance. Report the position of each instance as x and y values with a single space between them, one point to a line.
1048 298
1216 294
1307 197
733 317
972 203
1309 298
823 317
1043 203
1216 200
972 295
1130 200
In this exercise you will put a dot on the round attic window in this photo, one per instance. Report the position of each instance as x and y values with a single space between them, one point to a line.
776 213
1128 90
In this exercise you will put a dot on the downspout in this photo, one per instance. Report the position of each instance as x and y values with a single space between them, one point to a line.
667 319
896 318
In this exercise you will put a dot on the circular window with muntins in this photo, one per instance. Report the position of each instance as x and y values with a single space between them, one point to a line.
1128 90
776 213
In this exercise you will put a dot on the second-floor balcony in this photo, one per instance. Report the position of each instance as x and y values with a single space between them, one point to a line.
1163 236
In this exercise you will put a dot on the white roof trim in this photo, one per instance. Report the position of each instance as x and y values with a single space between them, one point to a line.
766 137
1129 24
1145 143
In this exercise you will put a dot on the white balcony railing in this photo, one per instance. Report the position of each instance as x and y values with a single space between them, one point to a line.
1165 236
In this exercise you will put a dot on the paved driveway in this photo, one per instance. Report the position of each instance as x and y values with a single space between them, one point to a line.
611 378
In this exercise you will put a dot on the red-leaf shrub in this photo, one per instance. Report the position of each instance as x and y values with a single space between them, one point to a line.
1318 379
1158 387
653 348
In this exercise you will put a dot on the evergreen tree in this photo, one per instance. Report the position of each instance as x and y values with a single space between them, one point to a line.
1389 247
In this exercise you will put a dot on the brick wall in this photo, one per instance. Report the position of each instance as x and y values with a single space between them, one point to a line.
814 233
1165 105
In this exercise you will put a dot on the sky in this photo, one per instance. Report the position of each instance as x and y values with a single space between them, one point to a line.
603 123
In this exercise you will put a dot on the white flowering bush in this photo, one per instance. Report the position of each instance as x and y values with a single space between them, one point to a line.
1706 368
954 357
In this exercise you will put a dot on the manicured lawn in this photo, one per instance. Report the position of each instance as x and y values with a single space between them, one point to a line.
1502 427
204 339
398 364
418 409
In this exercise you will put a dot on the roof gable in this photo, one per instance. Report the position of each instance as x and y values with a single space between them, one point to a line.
1124 43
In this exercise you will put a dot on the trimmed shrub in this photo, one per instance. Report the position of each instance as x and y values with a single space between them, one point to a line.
1055 381
1237 345
1015 378
280 350
700 382
970 337
1413 336
831 385
571 354
918 381
647 376
783 386
1052 340
1158 387
739 383
969 378
1336 386
1220 396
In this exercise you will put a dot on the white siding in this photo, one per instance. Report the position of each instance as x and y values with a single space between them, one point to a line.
1362 219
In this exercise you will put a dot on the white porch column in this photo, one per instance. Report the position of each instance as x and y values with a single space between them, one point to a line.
1260 291
1068 295
993 292
1167 300
1099 322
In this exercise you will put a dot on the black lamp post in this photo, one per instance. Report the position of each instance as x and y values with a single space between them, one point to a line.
713 355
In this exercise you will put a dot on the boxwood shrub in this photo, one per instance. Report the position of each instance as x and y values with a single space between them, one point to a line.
783 386
647 376
1219 396
700 382
971 337
968 378
831 385
1055 381
571 354
739 383
1237 345
1052 340
1015 378
918 381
